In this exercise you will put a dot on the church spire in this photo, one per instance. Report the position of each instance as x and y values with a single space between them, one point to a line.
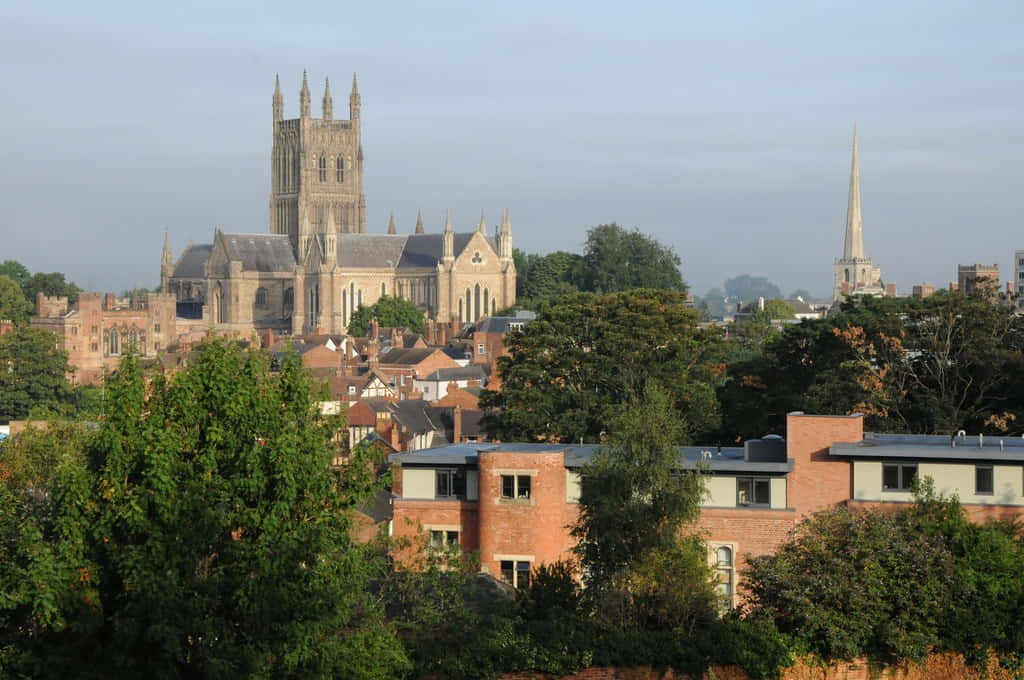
853 246
304 97
419 222
167 259
391 225
328 102
278 99
482 227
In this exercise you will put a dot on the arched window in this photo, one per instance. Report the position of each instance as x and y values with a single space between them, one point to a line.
261 297
133 339
462 314
469 305
115 343
487 306
219 313
339 169
724 574
289 297
344 307
323 168
476 306
846 275
494 307
383 289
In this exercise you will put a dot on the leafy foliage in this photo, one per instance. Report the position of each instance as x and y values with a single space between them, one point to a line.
16 272
390 312
204 535
13 305
618 259
34 375
749 288
50 284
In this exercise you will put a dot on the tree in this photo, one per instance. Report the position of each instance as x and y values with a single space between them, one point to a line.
204 536
550 275
52 284
34 375
390 312
13 305
585 355
617 259
30 460
749 288
640 565
15 271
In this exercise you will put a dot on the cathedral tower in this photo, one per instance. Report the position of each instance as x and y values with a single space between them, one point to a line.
316 171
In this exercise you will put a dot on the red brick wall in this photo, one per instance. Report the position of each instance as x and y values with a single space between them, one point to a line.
411 517
517 527
753 532
818 481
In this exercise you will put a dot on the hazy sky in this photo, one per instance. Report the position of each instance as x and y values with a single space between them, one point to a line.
721 128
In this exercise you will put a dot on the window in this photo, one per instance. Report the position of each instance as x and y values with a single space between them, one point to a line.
261 297
289 297
515 486
95 330
74 330
898 476
480 348
514 326
753 491
156 328
95 347
339 169
402 380
156 345
351 389
323 168
516 573
983 482
724 574
451 483
441 539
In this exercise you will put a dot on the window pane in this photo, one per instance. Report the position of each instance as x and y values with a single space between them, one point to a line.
724 557
890 477
436 540
508 485
524 486
522 574
507 572
983 482
459 482
743 491
762 492
909 473
443 483
453 538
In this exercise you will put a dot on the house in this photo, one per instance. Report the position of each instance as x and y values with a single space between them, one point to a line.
514 502
403 366
435 385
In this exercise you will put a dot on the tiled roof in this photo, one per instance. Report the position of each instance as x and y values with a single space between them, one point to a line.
190 264
471 372
261 252
406 357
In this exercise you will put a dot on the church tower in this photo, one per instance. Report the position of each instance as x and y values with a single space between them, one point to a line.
854 271
316 170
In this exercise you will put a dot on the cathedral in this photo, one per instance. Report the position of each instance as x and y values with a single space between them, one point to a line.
855 273
316 264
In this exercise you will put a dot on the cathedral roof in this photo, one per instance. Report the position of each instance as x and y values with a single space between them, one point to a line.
392 251
261 252
190 264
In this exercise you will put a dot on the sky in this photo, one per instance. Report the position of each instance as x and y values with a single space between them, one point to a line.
723 129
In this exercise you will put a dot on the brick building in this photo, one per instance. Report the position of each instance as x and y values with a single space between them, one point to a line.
514 502
97 330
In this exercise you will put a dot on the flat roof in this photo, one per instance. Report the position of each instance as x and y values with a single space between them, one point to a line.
933 447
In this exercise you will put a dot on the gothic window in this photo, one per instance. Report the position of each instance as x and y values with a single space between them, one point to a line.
846 275
469 305
344 307
115 344
476 306
476 258
289 297
486 305
494 307
323 168
339 169
261 297
383 289
462 316
133 338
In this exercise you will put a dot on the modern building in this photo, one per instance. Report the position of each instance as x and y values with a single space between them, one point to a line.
317 264
855 273
514 502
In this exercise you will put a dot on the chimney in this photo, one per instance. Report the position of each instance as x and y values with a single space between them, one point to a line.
457 425
109 302
374 330
396 444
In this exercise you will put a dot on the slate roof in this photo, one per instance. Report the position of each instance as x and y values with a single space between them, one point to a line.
416 415
499 324
261 252
398 250
191 263
471 372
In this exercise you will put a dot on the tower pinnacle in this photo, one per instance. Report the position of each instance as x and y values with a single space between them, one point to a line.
448 237
167 258
391 225
328 103
419 222
278 99
853 246
482 227
353 100
304 97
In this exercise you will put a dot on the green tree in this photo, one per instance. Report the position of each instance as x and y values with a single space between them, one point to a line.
13 305
205 536
15 271
30 460
585 355
52 284
642 566
390 312
749 288
554 274
617 259
34 375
